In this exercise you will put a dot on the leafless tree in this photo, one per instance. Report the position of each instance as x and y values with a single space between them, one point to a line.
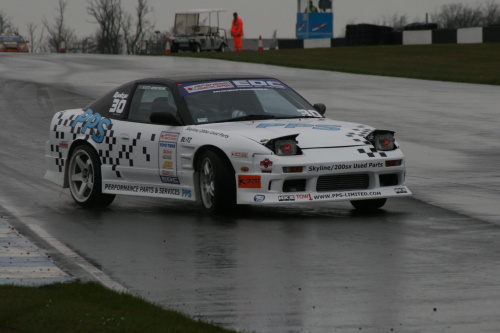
6 24
142 27
491 13
458 15
35 41
395 20
58 29
109 16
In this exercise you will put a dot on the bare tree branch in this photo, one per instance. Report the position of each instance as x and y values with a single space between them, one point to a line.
6 24
34 41
58 29
109 16
458 15
142 27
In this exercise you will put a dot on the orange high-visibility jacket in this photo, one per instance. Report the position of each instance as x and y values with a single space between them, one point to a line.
237 28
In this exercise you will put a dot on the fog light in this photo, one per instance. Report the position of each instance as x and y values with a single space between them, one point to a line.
393 163
293 169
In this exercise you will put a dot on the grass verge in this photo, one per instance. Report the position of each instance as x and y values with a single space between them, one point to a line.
87 307
470 63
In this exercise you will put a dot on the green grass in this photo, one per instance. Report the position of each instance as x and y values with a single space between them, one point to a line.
471 63
87 307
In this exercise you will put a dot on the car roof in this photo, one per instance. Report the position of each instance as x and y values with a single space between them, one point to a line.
184 78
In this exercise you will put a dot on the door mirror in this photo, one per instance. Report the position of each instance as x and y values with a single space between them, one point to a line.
320 107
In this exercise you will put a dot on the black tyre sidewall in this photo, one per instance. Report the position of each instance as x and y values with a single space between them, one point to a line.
368 205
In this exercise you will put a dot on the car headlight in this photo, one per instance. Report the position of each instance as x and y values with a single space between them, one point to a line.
382 140
285 146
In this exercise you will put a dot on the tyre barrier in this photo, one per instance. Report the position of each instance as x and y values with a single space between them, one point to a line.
369 34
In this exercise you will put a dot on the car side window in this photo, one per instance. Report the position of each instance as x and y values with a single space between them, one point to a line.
114 103
149 98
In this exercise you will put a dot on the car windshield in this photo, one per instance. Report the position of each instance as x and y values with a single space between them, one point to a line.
16 39
238 100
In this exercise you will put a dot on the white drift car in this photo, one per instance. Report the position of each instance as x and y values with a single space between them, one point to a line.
223 140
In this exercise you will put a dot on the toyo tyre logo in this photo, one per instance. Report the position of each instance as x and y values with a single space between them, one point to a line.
94 122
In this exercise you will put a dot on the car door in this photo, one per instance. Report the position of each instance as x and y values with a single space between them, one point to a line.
148 152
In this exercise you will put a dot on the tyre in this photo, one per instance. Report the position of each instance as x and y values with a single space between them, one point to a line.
368 205
84 178
217 184
223 48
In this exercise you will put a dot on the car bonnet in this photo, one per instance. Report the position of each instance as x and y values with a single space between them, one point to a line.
312 132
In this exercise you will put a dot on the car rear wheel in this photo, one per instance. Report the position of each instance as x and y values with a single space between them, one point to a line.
368 205
84 178
217 184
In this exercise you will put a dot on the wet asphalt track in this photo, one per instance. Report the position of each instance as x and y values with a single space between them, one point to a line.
424 264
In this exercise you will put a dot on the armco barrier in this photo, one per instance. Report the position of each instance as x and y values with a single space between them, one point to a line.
417 37
491 34
317 43
470 35
444 36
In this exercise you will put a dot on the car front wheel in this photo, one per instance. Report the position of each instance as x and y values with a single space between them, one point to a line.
84 178
368 205
217 184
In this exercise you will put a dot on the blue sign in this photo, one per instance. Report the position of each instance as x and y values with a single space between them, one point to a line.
314 25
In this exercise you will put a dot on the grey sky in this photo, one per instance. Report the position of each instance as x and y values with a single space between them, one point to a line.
260 17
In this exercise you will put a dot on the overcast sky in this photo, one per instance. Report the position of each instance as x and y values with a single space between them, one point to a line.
260 17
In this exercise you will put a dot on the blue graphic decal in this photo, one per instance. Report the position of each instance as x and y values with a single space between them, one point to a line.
93 122
295 125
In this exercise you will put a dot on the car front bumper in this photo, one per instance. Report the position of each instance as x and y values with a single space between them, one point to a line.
326 174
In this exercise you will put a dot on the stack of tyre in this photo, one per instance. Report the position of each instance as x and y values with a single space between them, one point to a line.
368 34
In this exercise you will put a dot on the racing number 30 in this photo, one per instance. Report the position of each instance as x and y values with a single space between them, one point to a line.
118 105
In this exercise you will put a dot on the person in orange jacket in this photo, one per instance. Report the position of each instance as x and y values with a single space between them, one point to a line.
237 32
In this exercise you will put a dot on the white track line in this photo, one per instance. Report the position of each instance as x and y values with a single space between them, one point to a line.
74 257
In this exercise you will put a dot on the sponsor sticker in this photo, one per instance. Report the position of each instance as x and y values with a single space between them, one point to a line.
400 190
249 181
170 180
304 197
168 165
286 198
266 165
236 154
168 192
162 88
259 198
169 137
208 86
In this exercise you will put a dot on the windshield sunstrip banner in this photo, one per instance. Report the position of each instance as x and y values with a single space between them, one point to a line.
190 88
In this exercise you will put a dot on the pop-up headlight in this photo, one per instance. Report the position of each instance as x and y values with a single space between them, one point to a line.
382 140
284 146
